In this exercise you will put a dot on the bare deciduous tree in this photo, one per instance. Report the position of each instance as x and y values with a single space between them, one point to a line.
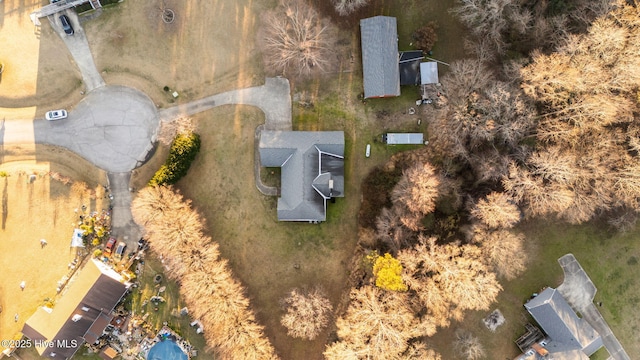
497 210
296 39
378 325
539 200
468 346
503 250
346 7
417 189
169 129
307 313
391 228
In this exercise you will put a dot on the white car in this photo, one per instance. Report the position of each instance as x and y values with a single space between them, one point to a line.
56 115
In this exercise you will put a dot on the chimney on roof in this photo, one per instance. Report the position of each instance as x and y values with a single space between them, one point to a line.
330 187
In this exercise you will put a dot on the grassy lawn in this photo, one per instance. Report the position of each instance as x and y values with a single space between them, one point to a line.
38 70
168 311
611 262
270 258
32 210
209 48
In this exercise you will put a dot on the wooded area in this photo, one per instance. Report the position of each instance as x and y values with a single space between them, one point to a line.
541 122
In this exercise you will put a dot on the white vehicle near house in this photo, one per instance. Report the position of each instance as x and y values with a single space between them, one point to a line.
367 152
56 115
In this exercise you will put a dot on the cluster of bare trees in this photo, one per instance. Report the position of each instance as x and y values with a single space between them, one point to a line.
307 313
555 137
484 124
444 281
521 25
502 248
439 281
296 40
448 279
175 230
379 325
587 160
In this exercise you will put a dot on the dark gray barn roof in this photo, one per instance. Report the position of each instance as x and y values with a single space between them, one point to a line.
410 67
91 294
379 40
571 337
310 161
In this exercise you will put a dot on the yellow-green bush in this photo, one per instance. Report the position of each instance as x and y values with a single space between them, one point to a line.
388 273
183 151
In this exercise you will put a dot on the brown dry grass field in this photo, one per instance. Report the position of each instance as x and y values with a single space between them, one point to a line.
209 48
43 208
38 70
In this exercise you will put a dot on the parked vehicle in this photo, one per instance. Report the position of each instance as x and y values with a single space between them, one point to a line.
142 244
109 247
66 25
120 250
56 115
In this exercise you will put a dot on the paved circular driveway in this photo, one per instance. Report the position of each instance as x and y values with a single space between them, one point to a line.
114 127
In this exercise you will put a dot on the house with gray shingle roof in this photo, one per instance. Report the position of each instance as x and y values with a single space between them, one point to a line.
312 170
379 40
80 314
569 337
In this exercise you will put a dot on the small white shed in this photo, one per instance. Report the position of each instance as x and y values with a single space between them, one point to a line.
76 239
429 73
403 138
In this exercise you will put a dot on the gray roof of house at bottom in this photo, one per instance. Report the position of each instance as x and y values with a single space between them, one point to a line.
571 337
379 40
312 164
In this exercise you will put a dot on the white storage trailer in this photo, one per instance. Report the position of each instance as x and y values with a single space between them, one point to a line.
403 138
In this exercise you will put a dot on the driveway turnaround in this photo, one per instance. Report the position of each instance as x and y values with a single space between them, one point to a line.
273 98
113 127
578 290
